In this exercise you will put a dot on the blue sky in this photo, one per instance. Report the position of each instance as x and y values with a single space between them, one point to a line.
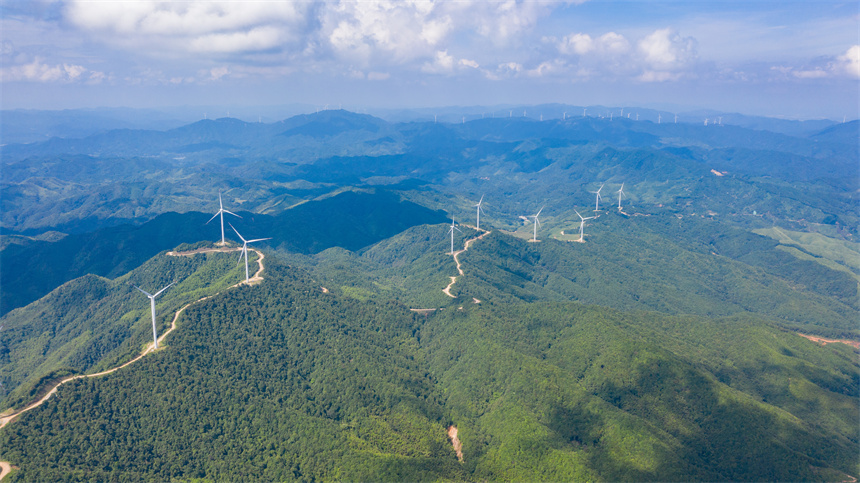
793 59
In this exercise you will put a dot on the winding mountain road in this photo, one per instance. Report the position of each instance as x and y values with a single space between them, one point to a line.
466 245
5 467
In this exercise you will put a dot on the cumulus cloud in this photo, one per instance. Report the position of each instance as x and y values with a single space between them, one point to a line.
196 25
660 56
849 62
666 50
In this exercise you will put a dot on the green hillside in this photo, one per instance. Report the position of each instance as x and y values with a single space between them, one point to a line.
654 263
92 323
286 381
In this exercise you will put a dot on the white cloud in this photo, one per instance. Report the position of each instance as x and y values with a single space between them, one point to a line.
810 74
39 71
217 73
195 25
469 63
579 44
442 63
849 62
665 49
609 43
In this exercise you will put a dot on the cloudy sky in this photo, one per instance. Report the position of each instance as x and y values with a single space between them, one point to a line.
788 58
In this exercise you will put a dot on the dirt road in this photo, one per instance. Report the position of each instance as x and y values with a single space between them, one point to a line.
257 278
466 245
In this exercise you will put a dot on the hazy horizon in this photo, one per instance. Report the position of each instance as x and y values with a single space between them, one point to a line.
790 60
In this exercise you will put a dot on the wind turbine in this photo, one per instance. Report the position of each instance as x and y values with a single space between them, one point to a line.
245 249
597 198
451 231
583 111
221 212
620 194
152 306
658 118
582 226
479 210
537 223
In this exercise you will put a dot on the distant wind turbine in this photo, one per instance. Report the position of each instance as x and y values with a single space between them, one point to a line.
597 198
451 231
622 112
537 223
620 194
582 226
152 306
676 119
659 117
583 111
221 212
479 210
245 249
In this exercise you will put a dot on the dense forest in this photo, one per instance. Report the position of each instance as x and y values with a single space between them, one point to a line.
286 381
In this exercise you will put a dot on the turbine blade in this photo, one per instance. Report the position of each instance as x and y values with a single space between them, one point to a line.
142 290
258 239
580 216
241 252
162 290
237 232
234 214
541 209
213 217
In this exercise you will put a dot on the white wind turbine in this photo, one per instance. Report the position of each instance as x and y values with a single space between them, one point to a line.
597 198
537 223
245 249
451 231
221 212
620 194
152 306
582 226
479 210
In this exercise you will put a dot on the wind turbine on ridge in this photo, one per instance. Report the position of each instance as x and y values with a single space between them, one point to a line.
221 212
451 231
152 306
245 249
537 223
597 198
620 193
479 210
582 226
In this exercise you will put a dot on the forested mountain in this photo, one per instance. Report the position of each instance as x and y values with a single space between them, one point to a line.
349 219
675 341
286 381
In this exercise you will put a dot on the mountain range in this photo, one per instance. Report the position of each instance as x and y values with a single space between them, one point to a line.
679 340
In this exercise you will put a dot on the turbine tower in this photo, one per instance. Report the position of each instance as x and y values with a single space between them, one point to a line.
451 231
582 226
597 198
152 306
245 249
479 210
620 194
537 223
221 212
